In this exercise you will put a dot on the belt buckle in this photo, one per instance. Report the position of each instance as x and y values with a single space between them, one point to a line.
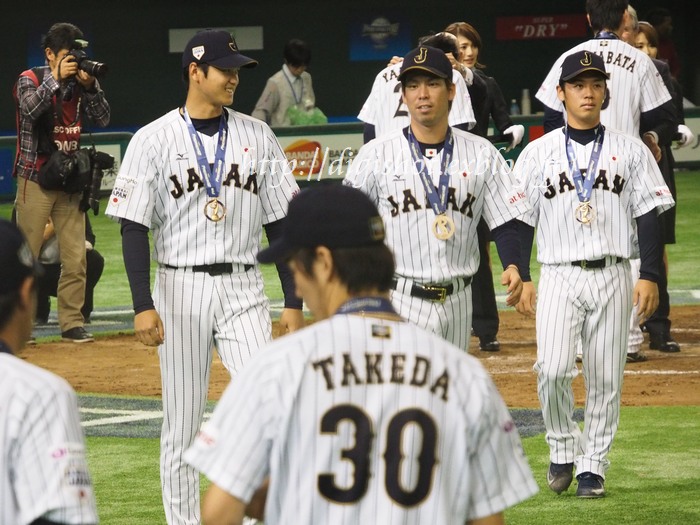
584 264
441 290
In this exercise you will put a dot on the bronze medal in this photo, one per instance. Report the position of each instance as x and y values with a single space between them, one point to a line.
443 227
214 210
584 213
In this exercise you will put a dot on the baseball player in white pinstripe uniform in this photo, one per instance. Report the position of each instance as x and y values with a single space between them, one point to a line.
432 183
361 417
205 180
588 184
637 97
385 110
44 476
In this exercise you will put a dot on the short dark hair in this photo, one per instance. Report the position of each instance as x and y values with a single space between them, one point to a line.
186 73
297 53
61 35
8 304
443 41
360 269
606 14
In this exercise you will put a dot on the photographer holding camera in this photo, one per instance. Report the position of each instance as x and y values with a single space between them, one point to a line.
53 103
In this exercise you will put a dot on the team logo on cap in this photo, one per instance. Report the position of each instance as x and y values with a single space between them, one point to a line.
376 228
586 60
422 56
198 52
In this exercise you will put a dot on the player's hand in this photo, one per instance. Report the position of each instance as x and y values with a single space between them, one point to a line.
528 300
394 60
511 278
291 320
687 136
149 328
645 298
650 140
518 132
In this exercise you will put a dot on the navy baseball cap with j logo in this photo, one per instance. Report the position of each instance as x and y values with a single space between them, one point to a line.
582 62
216 48
426 59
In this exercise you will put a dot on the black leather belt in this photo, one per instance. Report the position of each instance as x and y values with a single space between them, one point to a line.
597 263
433 292
211 269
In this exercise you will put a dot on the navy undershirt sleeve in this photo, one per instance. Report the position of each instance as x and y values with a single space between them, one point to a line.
136 250
650 247
506 238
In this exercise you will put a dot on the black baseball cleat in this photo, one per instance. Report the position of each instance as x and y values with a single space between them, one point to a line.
664 343
77 335
489 344
560 476
590 485
636 357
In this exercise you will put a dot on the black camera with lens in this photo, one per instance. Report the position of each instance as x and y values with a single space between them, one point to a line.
91 67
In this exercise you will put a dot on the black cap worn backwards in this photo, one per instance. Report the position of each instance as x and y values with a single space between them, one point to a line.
16 258
582 62
216 48
330 215
427 59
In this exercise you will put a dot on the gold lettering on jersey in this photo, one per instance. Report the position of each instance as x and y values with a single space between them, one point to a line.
604 181
232 178
618 59
400 369
444 227
214 210
410 203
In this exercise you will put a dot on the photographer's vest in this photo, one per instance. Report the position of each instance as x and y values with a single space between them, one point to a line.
51 131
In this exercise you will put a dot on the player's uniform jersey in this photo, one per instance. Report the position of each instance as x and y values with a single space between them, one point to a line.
43 468
635 85
363 420
480 184
159 186
628 184
385 110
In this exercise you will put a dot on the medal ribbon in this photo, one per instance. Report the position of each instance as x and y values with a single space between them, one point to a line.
367 304
584 185
436 198
602 35
212 177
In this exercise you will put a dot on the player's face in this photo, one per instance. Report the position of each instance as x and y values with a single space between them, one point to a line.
428 99
219 85
583 98
469 52
308 288
642 43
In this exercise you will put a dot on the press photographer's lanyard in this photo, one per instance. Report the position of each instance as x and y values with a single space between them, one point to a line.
212 177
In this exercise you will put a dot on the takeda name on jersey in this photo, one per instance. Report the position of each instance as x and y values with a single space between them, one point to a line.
378 369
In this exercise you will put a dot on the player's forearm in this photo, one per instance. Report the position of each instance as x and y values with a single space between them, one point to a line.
527 236
136 251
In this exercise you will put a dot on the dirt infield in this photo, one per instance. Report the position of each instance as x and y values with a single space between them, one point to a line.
122 366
